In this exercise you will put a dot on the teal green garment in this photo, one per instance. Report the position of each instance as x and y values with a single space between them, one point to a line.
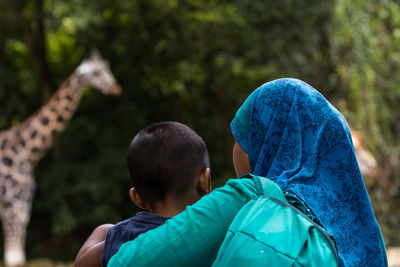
268 231
193 237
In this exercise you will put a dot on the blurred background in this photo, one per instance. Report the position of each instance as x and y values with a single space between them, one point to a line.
195 62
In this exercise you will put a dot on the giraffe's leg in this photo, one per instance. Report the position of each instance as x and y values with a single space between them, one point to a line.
15 218
14 244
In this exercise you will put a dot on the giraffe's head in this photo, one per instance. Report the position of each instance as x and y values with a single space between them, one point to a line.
95 71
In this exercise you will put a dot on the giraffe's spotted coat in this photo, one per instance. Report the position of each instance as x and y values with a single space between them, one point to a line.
7 161
23 146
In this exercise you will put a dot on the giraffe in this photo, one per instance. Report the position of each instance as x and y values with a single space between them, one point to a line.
22 146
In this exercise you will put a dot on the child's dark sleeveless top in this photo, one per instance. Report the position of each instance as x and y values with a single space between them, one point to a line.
128 230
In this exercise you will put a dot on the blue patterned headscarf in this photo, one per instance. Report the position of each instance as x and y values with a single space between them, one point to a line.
296 138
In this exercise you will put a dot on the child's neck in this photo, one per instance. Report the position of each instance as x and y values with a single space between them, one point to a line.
172 206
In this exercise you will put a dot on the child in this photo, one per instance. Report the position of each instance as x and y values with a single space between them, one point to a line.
169 167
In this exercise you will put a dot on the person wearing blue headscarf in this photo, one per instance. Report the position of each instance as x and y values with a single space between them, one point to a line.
289 133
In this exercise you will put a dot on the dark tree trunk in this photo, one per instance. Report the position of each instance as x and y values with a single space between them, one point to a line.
35 40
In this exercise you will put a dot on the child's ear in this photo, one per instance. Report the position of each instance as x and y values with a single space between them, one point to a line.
135 197
204 182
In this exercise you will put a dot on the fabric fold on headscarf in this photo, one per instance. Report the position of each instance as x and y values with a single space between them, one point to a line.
242 116
296 138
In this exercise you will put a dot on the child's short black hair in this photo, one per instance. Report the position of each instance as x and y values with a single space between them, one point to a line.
165 158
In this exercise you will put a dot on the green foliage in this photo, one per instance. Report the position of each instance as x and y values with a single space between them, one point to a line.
365 48
194 62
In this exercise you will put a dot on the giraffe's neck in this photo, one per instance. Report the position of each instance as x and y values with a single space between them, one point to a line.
36 135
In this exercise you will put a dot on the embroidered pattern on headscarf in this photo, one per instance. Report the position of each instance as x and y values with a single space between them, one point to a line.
299 140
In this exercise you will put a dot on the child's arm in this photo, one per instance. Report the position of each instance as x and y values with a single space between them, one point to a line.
90 253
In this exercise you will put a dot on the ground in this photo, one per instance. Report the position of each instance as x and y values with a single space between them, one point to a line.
46 263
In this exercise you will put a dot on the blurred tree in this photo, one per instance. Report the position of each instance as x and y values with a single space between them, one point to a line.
365 48
30 19
191 61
